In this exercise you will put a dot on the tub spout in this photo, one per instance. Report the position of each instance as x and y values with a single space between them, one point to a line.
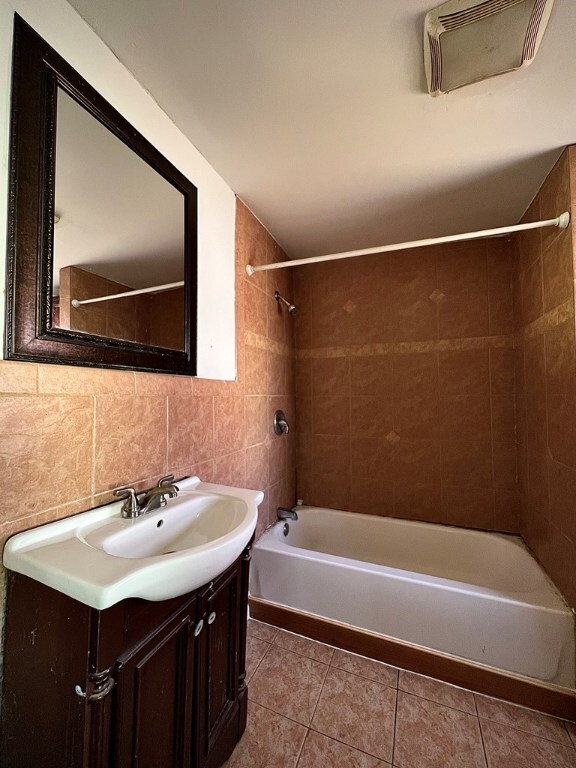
283 513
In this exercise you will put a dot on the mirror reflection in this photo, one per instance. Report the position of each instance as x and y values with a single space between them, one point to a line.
119 232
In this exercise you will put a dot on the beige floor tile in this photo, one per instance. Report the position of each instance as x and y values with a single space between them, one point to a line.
270 741
261 631
431 735
359 665
255 650
319 750
288 684
508 748
358 712
522 719
304 646
435 690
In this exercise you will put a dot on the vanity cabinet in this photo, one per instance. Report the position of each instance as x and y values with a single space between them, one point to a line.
138 685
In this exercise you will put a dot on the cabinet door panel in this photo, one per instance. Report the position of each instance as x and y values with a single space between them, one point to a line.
218 694
154 696
222 653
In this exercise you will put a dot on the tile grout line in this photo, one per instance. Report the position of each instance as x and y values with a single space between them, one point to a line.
395 721
527 733
261 659
486 761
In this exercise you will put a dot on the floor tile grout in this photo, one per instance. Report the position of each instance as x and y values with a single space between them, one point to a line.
260 662
523 730
323 671
345 744
482 742
395 720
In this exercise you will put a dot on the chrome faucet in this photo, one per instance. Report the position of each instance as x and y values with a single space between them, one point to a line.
283 513
151 499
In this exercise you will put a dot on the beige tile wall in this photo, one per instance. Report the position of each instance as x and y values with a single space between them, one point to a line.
546 375
405 385
69 435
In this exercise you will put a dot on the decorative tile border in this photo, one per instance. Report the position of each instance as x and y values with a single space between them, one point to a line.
252 339
409 347
546 322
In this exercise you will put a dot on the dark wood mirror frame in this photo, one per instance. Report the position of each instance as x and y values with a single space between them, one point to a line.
37 73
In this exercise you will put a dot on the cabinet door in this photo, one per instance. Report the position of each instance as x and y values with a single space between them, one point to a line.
218 694
154 696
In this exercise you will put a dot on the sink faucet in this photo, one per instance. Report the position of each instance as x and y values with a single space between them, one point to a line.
151 499
283 513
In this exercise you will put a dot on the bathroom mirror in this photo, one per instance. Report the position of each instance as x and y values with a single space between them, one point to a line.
102 231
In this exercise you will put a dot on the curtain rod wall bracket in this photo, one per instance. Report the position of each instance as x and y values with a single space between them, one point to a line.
561 222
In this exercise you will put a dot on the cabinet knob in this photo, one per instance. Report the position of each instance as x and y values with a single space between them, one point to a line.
198 627
212 617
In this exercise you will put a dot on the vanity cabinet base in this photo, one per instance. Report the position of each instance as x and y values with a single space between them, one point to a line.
138 685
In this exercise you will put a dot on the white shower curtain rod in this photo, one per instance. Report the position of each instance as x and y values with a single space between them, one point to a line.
561 222
153 289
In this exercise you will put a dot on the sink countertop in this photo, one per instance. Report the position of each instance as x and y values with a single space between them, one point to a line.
78 555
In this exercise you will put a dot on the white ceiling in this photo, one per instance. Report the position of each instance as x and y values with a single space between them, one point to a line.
316 113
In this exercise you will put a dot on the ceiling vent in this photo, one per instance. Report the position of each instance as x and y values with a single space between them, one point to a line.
466 41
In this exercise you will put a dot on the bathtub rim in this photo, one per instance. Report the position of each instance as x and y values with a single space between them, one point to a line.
271 541
482 679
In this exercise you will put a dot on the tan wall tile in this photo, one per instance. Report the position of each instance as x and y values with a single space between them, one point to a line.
558 271
331 490
418 501
555 197
501 262
529 243
372 496
331 415
467 463
465 373
330 376
190 431
470 507
413 279
331 454
47 440
416 460
130 440
156 384
371 376
372 457
231 469
68 380
257 417
257 467
507 511
502 371
18 378
229 425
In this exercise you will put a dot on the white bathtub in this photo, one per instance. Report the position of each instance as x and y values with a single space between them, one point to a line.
479 596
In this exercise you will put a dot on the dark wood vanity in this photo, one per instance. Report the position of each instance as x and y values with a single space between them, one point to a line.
140 684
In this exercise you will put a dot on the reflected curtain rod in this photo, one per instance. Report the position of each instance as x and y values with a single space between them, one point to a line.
561 222
153 289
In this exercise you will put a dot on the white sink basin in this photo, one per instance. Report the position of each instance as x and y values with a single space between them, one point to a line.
99 558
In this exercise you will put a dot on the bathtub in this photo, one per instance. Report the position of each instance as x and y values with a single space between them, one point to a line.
479 596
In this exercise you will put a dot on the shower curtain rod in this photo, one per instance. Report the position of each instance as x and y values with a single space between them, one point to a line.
561 222
153 289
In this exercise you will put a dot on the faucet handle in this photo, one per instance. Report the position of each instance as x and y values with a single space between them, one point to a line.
168 480
131 507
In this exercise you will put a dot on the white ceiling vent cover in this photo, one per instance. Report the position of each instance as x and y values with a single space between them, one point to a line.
466 41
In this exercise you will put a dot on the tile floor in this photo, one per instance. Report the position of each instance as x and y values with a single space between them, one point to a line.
312 706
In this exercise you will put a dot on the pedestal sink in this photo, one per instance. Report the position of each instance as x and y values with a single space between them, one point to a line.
100 558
